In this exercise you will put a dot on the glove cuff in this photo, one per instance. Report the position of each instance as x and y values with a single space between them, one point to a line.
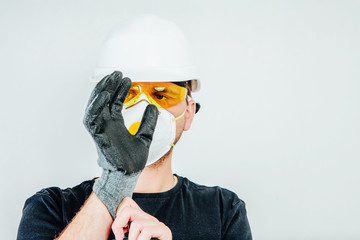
113 187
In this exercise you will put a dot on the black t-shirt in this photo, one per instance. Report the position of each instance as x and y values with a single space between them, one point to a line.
190 210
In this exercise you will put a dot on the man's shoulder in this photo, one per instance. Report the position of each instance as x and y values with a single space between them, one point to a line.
222 194
60 201
52 207
79 191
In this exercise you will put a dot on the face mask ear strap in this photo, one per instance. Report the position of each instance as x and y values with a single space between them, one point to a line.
181 115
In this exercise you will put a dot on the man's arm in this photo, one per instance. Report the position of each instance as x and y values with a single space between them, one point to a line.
46 215
43 220
93 221
121 155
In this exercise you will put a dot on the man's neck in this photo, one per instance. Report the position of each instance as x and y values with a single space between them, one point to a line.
157 177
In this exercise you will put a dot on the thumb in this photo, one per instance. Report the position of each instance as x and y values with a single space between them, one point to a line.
148 124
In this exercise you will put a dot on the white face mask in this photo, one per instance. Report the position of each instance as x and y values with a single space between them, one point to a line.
165 130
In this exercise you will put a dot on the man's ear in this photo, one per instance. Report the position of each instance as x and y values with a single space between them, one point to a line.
190 113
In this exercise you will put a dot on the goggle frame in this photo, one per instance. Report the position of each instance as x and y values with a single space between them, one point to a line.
161 94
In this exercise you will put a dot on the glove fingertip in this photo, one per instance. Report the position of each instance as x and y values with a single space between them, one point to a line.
124 88
117 74
151 114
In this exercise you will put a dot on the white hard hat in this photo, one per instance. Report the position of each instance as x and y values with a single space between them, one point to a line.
147 49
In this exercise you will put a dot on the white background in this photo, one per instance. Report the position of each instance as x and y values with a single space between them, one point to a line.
279 123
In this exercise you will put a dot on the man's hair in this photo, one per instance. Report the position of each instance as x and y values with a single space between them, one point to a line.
188 89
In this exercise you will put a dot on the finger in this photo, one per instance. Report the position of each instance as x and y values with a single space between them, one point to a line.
119 98
148 124
130 214
98 88
118 231
145 235
112 84
123 217
138 226
95 107
134 231
159 231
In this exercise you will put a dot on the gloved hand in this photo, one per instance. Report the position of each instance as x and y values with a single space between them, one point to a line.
121 155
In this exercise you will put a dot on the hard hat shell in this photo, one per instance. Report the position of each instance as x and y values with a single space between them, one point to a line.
147 49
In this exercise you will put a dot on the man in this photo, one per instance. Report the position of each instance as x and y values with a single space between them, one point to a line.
135 126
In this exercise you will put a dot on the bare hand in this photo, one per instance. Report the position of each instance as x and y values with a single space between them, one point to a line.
143 225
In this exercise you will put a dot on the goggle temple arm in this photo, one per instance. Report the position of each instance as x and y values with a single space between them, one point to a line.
183 84
197 107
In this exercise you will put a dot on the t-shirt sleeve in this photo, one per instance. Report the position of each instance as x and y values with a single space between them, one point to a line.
235 223
42 217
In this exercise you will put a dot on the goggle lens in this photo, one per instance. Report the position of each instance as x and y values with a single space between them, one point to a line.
162 94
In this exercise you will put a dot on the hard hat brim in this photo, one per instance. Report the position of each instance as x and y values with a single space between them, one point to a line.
153 75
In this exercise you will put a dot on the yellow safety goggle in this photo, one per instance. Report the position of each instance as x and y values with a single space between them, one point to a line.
161 94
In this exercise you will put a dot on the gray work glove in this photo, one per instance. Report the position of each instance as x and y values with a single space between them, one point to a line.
121 155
